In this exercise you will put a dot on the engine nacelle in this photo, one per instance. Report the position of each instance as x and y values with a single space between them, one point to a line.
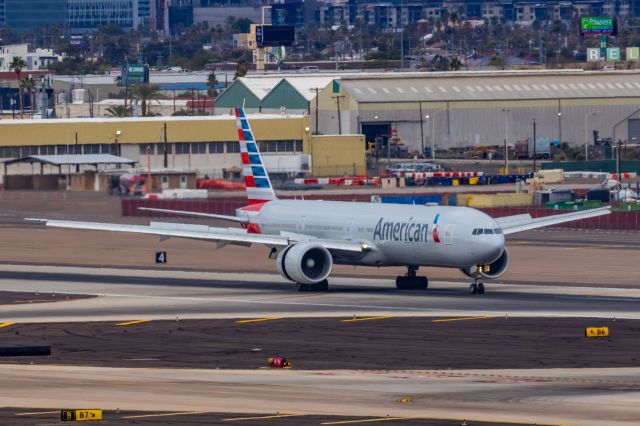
494 270
305 263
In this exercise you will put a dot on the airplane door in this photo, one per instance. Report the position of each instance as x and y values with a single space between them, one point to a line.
301 223
448 234
350 230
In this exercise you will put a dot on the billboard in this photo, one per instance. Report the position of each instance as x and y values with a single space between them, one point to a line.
596 25
274 35
134 74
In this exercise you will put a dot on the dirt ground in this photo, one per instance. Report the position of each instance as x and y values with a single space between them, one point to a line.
578 258
321 343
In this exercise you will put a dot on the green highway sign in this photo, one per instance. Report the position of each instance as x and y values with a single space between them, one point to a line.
134 74
596 25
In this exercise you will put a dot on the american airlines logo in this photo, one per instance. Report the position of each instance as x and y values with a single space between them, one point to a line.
401 231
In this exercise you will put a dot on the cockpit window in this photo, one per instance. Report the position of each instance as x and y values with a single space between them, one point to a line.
475 231
497 231
488 231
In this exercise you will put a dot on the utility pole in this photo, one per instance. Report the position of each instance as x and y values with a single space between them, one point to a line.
534 146
421 130
401 36
165 153
619 184
317 90
337 98
506 148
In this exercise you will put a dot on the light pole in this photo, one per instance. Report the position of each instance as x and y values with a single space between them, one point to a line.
586 134
506 137
117 147
560 127
427 117
534 146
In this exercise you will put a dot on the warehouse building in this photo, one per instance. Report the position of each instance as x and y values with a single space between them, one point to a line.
274 94
205 145
461 109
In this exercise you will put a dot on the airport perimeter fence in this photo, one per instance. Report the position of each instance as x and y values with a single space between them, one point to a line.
616 221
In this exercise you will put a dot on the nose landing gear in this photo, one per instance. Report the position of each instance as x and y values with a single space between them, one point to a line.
411 281
476 287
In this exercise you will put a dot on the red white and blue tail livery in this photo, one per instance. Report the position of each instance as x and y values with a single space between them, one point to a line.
307 238
256 178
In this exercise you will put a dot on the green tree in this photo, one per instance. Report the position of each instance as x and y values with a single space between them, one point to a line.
455 64
241 68
119 111
211 84
145 93
28 84
17 65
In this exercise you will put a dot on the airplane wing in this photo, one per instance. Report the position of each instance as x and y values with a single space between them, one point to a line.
222 236
198 214
524 222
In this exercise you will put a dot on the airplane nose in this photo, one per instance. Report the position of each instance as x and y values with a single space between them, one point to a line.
493 248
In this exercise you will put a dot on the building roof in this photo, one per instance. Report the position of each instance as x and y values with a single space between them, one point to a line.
260 87
306 85
60 160
161 119
493 86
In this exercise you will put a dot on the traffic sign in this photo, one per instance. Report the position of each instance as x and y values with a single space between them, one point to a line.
596 331
80 415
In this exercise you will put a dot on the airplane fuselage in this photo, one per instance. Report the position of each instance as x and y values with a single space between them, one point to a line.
398 234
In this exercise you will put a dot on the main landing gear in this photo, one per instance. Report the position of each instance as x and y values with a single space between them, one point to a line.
411 281
476 287
321 286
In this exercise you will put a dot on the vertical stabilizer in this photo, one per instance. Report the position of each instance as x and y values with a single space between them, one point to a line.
256 178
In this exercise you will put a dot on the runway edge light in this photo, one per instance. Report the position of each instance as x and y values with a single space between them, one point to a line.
596 331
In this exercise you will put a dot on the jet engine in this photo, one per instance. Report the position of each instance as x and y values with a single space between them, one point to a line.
494 270
305 263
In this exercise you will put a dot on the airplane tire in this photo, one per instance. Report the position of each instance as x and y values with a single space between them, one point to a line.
424 283
480 288
412 283
321 286
473 288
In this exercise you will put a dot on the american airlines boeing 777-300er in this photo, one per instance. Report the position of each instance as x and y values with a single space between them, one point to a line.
306 238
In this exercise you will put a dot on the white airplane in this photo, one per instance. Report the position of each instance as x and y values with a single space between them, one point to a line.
306 238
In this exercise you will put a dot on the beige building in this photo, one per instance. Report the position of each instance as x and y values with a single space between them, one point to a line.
204 145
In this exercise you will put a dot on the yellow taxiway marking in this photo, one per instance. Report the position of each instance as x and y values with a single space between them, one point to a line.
38 413
462 319
257 320
365 319
380 419
181 413
276 416
132 322
6 324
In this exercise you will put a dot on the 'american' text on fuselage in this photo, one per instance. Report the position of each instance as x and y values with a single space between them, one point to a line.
401 231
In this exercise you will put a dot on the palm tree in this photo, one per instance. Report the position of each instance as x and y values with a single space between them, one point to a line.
119 111
211 84
241 68
118 81
28 84
145 93
17 65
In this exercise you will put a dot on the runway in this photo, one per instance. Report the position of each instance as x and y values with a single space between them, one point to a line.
563 280
586 397
151 294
